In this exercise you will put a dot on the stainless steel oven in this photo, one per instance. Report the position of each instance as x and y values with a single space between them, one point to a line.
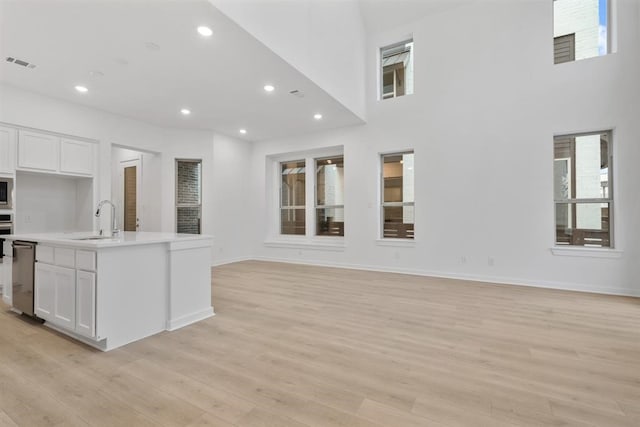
6 193
6 227
6 224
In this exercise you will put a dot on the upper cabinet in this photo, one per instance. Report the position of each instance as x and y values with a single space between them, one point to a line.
38 151
76 157
7 149
49 153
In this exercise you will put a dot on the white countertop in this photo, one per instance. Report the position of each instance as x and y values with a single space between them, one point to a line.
125 238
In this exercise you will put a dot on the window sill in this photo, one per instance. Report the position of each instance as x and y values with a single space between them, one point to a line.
397 243
586 252
335 244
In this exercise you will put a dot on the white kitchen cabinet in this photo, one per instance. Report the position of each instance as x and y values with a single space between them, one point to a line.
64 310
55 294
7 149
66 296
42 152
38 151
86 303
44 292
76 157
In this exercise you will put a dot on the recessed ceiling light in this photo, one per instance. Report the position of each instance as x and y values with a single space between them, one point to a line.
243 131
205 31
269 88
82 89
185 111
317 116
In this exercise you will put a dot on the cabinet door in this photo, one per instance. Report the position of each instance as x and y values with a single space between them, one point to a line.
38 151
7 144
86 303
76 157
64 313
45 290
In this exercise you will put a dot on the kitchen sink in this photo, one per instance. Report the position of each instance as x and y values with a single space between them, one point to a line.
94 238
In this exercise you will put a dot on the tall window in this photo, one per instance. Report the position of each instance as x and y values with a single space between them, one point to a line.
330 196
397 195
292 197
396 70
583 189
580 29
188 196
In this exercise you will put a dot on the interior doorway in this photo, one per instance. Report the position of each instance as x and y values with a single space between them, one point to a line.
135 191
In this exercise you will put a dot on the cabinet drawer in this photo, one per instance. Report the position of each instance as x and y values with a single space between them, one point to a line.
65 257
86 260
44 254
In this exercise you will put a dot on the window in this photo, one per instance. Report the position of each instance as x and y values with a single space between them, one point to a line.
292 197
329 196
396 70
583 189
188 196
397 195
580 29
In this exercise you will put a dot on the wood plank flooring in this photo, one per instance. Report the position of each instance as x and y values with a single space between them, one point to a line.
310 346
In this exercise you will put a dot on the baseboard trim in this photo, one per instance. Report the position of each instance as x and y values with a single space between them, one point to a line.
231 261
183 321
471 277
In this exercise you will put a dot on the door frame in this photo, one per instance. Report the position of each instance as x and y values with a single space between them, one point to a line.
137 162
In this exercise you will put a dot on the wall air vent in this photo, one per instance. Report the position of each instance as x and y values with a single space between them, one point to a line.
20 62
297 93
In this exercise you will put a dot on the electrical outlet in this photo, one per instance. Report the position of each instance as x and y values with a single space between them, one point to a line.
463 259
27 219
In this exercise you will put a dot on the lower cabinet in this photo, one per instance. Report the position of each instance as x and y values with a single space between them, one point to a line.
66 297
55 297
85 303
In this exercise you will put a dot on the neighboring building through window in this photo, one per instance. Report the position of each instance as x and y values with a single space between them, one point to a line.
580 29
398 195
188 196
583 189
292 197
396 70
329 196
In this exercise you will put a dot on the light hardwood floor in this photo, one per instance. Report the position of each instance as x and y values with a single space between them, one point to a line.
309 346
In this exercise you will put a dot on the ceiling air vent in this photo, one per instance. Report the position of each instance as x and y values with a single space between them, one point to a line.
297 93
20 62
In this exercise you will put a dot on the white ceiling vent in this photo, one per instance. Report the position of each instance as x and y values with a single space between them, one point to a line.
20 62
297 93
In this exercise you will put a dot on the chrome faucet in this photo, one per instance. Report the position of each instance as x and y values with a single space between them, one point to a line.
114 221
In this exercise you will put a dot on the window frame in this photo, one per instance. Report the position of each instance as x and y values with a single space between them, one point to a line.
574 201
293 207
384 204
188 205
316 206
382 95
609 40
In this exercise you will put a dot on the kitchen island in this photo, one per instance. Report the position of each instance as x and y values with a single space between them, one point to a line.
111 291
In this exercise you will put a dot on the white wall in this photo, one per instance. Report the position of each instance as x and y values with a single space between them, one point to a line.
487 104
50 203
324 40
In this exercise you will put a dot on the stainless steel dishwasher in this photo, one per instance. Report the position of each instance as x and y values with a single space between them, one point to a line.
24 257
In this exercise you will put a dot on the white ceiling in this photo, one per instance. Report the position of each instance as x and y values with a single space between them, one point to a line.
381 15
220 79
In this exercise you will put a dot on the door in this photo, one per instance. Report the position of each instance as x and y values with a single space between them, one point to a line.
64 308
131 193
44 291
86 303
